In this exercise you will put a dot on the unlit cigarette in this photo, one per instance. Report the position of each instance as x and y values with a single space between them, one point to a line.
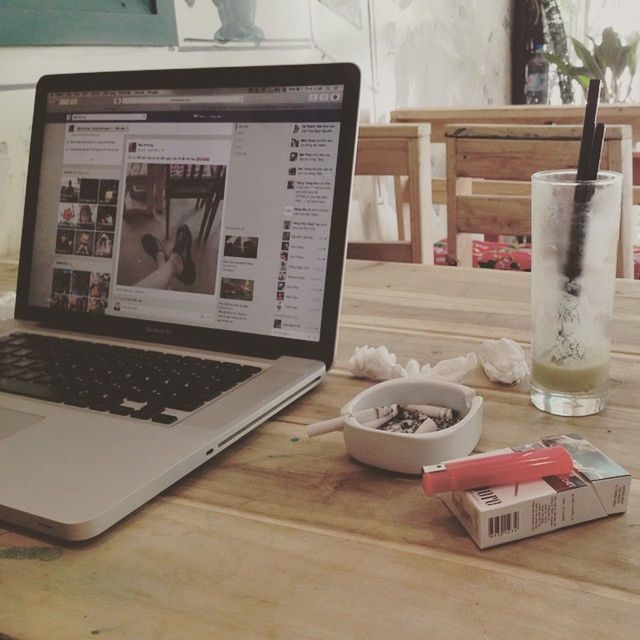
426 426
376 413
325 426
373 418
431 410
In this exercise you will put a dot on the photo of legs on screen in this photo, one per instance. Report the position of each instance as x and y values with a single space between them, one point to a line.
171 226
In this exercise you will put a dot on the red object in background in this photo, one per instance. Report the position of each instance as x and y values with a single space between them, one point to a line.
491 255
508 257
517 257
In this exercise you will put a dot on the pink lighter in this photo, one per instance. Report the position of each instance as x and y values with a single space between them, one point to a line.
499 469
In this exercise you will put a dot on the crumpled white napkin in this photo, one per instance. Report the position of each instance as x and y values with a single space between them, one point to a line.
378 363
7 303
503 361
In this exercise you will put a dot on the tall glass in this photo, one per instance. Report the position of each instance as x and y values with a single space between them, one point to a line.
575 239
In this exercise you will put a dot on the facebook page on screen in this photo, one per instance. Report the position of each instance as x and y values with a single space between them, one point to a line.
201 207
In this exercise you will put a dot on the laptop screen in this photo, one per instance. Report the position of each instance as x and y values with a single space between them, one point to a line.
208 208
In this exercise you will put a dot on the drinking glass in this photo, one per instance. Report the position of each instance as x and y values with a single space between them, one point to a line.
574 239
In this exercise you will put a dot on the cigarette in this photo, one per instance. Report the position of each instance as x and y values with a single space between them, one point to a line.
325 426
375 424
372 418
431 410
427 426
376 413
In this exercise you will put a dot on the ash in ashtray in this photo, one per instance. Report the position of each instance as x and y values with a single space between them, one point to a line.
420 419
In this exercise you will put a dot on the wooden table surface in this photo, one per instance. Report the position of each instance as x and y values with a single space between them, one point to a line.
285 537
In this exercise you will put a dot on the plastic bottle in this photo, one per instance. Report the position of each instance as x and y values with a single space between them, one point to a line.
536 85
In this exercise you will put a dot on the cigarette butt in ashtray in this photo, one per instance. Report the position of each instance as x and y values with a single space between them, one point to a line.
427 426
431 410
373 418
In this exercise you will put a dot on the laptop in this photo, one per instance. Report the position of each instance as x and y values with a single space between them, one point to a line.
179 280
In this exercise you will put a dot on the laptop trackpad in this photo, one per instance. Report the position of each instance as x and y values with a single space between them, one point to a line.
13 421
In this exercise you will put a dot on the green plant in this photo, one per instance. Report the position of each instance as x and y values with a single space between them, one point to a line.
610 61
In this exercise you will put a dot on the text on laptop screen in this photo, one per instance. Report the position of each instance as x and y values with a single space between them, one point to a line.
199 207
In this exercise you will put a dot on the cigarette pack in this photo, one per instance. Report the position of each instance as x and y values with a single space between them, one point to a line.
598 487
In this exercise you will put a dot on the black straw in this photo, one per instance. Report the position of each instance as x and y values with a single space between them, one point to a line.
588 163
588 131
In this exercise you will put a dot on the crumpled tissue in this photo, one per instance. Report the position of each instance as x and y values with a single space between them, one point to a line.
378 363
503 361
7 303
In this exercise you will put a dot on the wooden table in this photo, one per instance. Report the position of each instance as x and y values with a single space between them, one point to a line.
286 537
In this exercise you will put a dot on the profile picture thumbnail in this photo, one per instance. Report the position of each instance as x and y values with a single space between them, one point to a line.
64 241
89 190
70 190
83 243
237 289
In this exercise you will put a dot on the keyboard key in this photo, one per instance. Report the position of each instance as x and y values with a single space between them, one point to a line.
27 375
184 405
120 411
98 406
22 352
30 389
141 415
12 372
77 402
164 418
250 371
24 363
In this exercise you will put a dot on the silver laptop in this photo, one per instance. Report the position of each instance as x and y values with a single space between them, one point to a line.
179 280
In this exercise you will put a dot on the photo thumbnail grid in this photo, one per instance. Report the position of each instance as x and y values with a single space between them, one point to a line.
83 291
86 217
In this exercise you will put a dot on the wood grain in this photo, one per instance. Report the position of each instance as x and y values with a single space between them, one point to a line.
403 152
440 117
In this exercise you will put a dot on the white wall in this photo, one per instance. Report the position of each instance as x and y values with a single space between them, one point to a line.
432 53
413 52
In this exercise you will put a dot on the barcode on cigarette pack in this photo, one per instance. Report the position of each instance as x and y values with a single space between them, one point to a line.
504 524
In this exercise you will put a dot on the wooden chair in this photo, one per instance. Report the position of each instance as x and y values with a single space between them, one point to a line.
507 155
401 151
529 114
439 118
144 190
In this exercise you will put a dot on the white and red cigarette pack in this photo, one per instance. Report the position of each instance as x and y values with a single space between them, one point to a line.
597 488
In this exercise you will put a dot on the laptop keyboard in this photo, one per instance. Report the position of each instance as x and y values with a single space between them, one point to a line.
146 385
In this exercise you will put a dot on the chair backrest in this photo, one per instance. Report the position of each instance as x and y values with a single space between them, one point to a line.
439 118
508 155
401 151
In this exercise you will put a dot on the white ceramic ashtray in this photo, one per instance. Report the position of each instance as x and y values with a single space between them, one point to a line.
409 452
